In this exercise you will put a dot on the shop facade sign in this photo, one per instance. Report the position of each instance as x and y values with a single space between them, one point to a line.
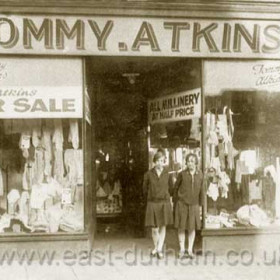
40 88
98 35
176 107
248 75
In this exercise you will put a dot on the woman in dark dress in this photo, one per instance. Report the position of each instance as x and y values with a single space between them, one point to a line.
190 195
157 187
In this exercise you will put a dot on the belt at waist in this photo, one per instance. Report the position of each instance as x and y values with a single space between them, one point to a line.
158 200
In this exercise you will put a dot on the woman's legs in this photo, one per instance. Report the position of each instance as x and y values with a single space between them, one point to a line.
181 238
191 238
162 233
155 237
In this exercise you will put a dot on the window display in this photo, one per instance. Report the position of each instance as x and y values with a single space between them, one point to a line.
242 151
41 145
41 167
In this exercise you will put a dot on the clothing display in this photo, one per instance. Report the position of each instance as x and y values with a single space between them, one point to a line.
1 183
36 173
252 215
74 133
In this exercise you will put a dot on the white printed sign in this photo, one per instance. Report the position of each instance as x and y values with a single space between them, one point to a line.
40 102
176 107
40 88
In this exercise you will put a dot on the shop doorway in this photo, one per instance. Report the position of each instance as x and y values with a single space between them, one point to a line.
123 143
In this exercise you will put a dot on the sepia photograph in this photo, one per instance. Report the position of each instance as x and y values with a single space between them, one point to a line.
139 139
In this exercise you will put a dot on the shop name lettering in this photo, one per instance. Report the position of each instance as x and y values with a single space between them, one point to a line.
174 107
53 32
267 75
23 105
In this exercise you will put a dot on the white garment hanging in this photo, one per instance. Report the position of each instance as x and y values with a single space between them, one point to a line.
74 133
36 133
57 138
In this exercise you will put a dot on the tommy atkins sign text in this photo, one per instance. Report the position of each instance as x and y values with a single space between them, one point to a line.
139 36
176 107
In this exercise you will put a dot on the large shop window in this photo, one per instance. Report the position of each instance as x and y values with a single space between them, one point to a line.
41 147
242 148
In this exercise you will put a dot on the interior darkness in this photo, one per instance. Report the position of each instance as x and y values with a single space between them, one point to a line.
119 113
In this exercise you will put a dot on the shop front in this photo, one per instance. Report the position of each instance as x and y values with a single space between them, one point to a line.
85 102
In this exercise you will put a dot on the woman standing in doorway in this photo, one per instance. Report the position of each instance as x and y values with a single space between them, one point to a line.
190 194
157 188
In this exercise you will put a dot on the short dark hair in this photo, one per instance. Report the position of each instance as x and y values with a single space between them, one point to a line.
192 155
160 153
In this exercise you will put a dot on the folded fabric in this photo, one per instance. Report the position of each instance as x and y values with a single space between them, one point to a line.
5 222
54 215
72 221
252 215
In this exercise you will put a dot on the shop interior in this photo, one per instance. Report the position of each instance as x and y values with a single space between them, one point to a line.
124 143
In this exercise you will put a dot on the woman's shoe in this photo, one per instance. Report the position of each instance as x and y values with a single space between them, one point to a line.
191 255
160 255
181 255
153 253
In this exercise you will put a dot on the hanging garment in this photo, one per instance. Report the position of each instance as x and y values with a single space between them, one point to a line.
277 191
57 138
24 144
36 133
47 163
73 160
13 198
1 184
215 163
213 191
229 114
28 175
195 130
39 166
207 156
46 137
74 133
231 154
58 170
221 127
223 184
241 169
250 159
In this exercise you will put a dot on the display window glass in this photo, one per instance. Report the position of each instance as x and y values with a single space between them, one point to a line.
242 152
41 146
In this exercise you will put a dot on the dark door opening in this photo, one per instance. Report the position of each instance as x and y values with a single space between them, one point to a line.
120 88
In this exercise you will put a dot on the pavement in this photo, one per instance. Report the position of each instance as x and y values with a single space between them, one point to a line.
121 256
